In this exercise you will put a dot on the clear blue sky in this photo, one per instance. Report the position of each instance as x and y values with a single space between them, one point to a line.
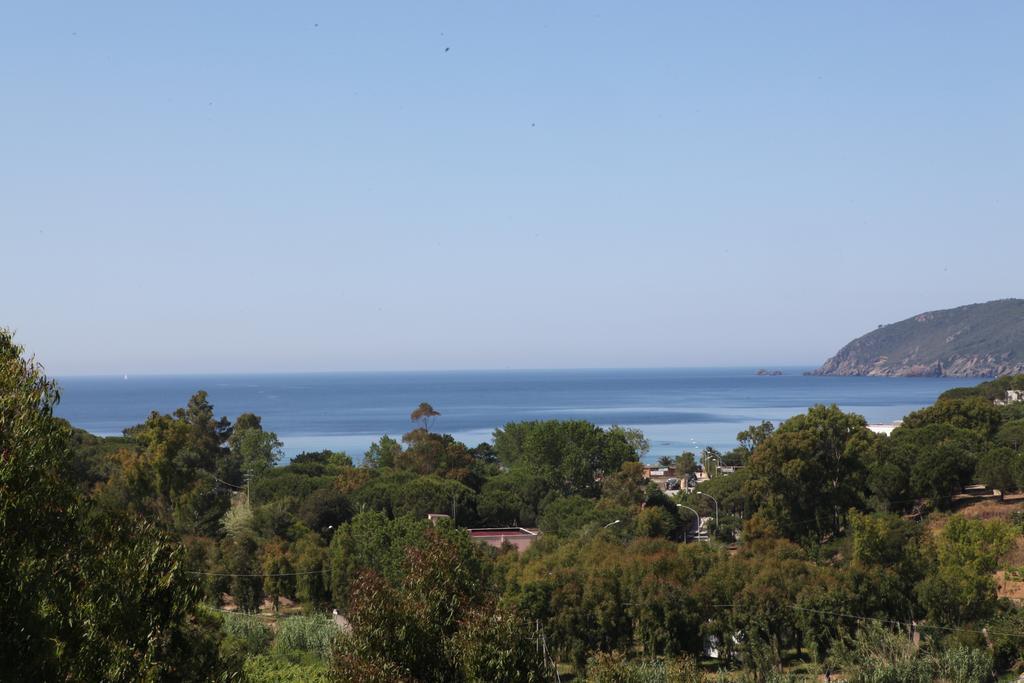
215 186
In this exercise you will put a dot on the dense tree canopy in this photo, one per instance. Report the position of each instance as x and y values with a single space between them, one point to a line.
134 557
87 593
570 455
805 475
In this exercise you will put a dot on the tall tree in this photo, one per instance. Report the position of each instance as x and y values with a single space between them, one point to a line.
571 455
424 413
806 475
88 593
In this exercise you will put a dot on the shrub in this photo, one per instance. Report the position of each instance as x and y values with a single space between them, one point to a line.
270 669
245 634
616 668
314 634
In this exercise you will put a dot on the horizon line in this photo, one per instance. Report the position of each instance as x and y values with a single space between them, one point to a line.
107 375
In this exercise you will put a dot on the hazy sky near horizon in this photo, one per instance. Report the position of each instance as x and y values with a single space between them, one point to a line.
257 186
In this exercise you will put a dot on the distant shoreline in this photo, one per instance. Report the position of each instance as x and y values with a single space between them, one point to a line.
678 409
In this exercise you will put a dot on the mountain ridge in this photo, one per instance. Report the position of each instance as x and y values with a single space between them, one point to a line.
976 340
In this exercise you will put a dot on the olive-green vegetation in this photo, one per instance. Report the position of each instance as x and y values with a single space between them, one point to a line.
89 592
184 550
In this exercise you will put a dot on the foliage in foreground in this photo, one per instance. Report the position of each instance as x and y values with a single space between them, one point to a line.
880 655
87 594
436 622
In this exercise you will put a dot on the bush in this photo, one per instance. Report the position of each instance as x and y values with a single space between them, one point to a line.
654 522
245 635
615 668
270 669
314 634
879 655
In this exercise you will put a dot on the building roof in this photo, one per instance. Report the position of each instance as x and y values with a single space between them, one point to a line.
503 532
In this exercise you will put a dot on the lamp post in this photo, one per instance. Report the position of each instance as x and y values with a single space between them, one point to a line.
611 524
701 493
695 514
718 463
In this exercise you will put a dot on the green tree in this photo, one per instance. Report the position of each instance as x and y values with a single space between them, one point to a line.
809 472
88 593
440 454
511 498
382 453
278 574
1011 435
370 541
633 438
324 509
431 494
932 462
973 413
686 462
936 474
409 630
257 451
570 455
246 574
312 583
962 588
953 597
627 486
497 645
754 435
999 468
655 522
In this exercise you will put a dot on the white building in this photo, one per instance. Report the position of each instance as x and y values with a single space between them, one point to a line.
1012 396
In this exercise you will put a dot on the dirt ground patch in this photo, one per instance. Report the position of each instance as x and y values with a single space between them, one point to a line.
993 508
980 508
1008 584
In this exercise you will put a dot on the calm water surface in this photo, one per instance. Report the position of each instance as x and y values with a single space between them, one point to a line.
676 408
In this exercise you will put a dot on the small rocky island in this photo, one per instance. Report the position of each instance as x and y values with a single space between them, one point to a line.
768 373
979 340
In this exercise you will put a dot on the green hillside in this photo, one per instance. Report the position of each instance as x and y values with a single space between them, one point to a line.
978 340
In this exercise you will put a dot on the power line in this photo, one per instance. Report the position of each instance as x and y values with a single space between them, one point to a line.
234 486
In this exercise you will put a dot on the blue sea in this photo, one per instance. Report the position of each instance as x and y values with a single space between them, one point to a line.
678 409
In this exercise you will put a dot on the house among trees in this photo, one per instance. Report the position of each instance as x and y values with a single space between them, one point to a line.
1012 396
655 471
515 536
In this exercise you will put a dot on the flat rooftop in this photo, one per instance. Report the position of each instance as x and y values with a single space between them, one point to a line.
502 531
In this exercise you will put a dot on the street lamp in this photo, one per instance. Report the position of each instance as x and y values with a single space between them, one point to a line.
611 524
701 493
718 462
695 514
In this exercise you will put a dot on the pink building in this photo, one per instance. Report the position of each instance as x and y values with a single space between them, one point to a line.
516 536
